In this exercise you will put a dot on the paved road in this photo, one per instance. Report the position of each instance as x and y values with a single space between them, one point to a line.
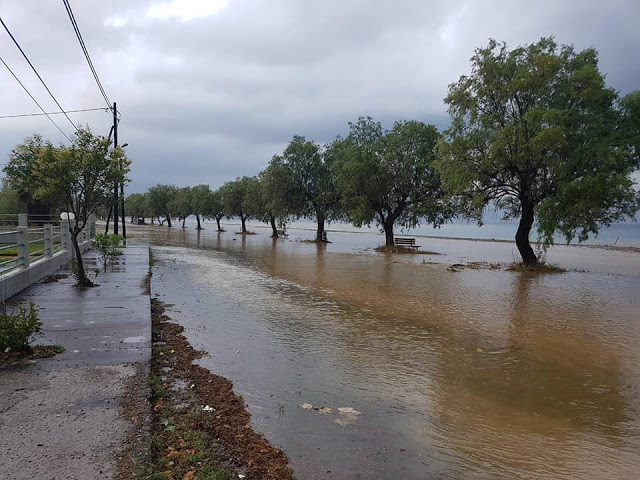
62 418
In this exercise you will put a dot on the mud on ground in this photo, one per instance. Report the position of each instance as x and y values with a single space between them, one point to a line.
200 428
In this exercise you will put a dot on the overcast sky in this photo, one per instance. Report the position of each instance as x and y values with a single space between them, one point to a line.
212 89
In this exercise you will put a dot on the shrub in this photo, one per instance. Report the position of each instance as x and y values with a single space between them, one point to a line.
107 247
17 331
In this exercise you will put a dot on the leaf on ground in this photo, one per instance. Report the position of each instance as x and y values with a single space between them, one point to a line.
189 475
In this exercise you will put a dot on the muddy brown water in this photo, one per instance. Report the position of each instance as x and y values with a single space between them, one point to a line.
469 374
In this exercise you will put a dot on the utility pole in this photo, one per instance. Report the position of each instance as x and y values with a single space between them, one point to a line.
124 225
115 187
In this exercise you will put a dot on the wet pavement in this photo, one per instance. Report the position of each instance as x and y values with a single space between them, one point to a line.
62 418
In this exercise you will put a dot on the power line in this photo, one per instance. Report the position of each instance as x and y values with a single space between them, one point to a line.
36 72
34 100
104 109
67 5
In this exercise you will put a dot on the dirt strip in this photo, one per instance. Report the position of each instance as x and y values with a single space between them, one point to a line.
200 428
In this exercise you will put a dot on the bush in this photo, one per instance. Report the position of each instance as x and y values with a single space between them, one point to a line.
107 247
17 331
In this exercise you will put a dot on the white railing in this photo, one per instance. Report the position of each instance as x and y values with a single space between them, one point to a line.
35 248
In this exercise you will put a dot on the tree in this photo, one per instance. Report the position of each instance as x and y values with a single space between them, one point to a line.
79 180
160 198
234 195
137 206
536 131
388 177
10 200
20 174
200 201
282 199
215 208
181 204
308 182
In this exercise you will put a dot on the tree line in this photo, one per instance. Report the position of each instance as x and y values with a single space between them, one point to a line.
534 131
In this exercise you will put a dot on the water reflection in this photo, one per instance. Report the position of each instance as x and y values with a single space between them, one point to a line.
472 374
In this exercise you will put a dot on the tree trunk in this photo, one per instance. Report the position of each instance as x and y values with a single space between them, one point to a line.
274 229
184 219
320 230
151 219
198 220
168 221
388 233
522 235
83 281
218 222
106 230
244 225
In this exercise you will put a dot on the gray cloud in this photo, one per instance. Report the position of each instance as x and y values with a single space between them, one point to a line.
211 98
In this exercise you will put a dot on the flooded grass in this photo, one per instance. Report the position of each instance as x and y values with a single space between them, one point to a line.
540 267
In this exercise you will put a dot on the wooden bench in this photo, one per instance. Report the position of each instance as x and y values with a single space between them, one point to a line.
405 242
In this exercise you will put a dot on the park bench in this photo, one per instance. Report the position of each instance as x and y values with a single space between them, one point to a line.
405 242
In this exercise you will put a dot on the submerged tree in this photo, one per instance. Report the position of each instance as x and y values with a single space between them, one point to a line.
536 131
282 200
137 206
200 202
234 195
160 198
308 182
215 208
79 179
388 177
182 204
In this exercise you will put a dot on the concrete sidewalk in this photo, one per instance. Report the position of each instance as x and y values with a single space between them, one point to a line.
62 418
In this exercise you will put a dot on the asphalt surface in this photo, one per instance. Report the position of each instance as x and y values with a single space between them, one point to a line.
62 418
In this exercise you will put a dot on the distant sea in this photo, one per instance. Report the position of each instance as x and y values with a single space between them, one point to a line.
620 234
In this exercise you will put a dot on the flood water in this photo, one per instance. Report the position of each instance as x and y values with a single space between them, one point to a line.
455 374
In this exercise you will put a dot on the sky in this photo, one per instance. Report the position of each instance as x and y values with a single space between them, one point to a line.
210 90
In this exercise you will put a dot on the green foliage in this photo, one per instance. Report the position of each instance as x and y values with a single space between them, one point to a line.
137 205
181 205
20 170
237 198
78 178
10 200
18 330
160 200
388 177
536 131
107 246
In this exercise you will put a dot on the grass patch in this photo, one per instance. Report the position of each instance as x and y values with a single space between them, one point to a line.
539 267
396 249
13 251
152 259
39 351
